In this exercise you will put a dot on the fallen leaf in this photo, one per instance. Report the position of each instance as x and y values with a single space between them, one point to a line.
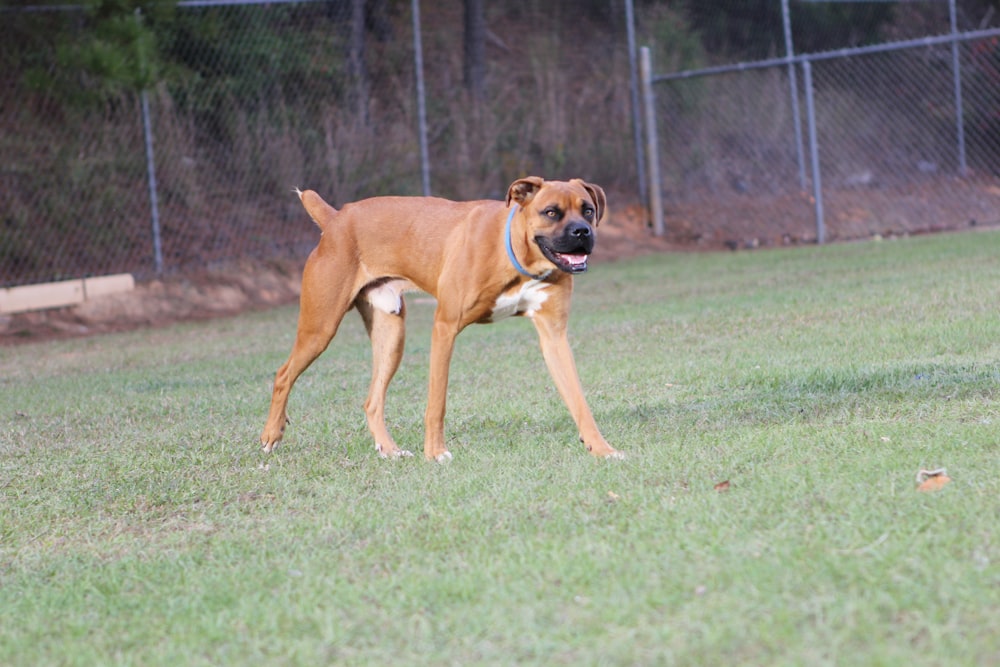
722 486
932 480
613 497
934 483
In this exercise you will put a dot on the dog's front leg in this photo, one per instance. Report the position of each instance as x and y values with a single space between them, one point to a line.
554 339
442 344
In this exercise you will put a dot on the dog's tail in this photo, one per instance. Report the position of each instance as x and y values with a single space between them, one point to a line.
321 212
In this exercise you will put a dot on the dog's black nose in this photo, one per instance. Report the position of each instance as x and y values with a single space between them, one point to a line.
579 230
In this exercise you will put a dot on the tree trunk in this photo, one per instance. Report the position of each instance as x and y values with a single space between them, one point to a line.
357 69
474 69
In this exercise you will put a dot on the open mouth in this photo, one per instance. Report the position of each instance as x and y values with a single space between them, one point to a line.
574 261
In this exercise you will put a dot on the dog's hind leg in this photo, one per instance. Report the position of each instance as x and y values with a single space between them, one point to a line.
387 329
442 345
326 297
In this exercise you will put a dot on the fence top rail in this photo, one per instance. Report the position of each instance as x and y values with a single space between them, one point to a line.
27 9
829 55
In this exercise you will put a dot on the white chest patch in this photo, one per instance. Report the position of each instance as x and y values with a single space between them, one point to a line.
523 301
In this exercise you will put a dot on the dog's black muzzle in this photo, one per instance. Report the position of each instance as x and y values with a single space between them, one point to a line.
570 249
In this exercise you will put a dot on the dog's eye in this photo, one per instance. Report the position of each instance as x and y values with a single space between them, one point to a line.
588 213
552 213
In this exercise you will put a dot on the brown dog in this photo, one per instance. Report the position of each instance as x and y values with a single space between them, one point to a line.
482 260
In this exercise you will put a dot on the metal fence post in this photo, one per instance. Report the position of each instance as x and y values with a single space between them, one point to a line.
956 72
652 144
794 87
418 65
633 85
147 130
814 152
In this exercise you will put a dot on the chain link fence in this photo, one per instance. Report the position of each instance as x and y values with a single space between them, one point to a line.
900 149
247 101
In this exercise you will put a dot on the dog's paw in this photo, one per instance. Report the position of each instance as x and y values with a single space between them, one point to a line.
272 435
605 452
396 453
443 457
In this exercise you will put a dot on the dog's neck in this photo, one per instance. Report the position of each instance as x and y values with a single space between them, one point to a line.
510 250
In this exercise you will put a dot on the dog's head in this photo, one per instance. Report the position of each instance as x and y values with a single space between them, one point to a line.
561 217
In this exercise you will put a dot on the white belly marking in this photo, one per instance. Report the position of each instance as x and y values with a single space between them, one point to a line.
524 301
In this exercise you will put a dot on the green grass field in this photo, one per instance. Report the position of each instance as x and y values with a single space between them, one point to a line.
141 525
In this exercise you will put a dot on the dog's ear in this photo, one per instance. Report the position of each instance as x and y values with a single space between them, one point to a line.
321 212
523 189
597 195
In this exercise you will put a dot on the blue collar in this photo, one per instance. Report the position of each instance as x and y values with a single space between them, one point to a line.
510 250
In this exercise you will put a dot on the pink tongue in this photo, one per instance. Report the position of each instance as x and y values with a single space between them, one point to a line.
575 259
